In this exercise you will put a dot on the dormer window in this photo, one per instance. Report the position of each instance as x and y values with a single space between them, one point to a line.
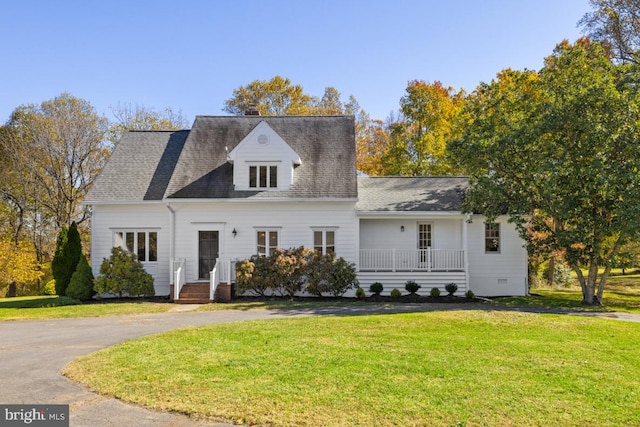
263 161
263 176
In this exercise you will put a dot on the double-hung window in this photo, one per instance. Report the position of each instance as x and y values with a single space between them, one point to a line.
143 243
324 240
267 241
491 237
263 176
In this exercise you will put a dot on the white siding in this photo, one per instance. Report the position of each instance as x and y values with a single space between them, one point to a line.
293 220
492 273
427 281
151 216
446 233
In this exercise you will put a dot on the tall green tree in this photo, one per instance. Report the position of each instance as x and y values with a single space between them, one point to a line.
66 258
418 142
617 24
561 144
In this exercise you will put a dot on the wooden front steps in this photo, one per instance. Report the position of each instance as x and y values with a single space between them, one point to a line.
194 293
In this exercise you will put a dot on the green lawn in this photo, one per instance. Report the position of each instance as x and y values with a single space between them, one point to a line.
48 307
622 293
446 368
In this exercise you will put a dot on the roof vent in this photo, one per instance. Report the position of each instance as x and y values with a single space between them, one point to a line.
252 110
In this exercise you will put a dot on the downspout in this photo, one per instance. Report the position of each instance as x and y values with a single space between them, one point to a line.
172 215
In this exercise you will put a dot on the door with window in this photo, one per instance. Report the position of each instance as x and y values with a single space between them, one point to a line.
424 244
207 253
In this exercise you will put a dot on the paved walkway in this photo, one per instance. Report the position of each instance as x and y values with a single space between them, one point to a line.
32 354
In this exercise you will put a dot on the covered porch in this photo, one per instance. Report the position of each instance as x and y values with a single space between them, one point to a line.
430 249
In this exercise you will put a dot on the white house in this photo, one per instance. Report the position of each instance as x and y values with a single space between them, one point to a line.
190 203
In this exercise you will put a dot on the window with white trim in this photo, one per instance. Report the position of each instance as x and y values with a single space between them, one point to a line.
491 237
324 241
140 242
263 176
267 241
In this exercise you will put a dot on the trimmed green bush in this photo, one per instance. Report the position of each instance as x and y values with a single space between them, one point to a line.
376 288
451 288
81 284
469 294
66 257
395 293
123 273
434 293
411 287
360 293
49 288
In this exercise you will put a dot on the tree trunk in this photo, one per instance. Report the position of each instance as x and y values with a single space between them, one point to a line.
551 271
588 284
11 293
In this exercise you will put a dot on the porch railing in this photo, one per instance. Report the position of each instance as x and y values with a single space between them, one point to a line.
214 279
178 276
412 260
221 273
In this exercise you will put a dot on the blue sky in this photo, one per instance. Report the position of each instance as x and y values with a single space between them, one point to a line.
191 55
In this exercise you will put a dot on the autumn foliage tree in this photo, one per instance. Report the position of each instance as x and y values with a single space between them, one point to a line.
562 143
615 23
18 264
418 141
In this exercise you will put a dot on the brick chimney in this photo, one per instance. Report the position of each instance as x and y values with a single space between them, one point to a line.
252 110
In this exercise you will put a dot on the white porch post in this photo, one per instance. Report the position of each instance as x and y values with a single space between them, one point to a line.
465 248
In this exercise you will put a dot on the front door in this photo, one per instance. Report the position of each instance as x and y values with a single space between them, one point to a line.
207 252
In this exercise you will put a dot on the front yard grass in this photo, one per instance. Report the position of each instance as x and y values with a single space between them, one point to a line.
622 293
463 368
50 307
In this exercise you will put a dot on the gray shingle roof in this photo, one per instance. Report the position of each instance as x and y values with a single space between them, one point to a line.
326 145
152 165
411 194
139 168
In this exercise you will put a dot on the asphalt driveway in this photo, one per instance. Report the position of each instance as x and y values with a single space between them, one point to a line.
32 354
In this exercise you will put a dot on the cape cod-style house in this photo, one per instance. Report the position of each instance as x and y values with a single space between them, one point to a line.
191 203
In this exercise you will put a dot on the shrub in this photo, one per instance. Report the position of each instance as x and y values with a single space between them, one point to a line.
411 287
289 269
49 287
376 288
435 292
81 284
285 271
123 273
360 293
469 294
395 293
318 273
254 275
66 257
343 277
562 274
451 288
